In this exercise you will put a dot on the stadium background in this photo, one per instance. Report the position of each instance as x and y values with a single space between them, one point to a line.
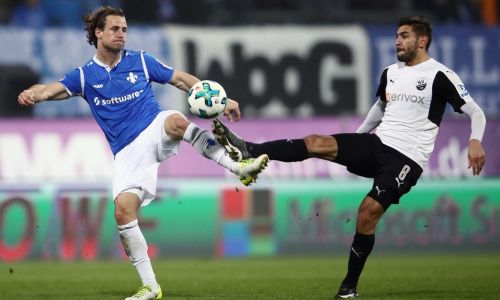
296 68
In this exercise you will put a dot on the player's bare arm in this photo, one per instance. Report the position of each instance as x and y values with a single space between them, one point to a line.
182 80
42 92
232 111
476 156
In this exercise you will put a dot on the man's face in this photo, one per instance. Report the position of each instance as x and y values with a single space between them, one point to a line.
114 35
406 44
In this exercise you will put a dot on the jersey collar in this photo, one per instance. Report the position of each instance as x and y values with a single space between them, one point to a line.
417 66
105 66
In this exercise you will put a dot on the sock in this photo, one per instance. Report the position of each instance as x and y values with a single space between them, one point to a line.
362 245
204 142
136 248
282 150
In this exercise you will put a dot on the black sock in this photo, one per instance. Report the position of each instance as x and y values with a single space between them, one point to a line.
282 150
362 245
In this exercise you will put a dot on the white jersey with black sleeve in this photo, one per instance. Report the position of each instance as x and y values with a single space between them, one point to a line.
415 98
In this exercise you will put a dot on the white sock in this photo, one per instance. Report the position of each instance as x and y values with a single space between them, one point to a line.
137 251
204 142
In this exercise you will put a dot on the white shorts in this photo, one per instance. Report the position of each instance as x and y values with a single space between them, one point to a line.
136 165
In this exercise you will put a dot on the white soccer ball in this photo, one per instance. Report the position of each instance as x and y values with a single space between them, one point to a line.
207 99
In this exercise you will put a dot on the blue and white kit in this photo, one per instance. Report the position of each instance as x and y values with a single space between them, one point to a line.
122 102
120 98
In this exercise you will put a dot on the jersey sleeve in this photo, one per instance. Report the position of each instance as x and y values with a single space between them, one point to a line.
381 86
157 71
72 82
451 89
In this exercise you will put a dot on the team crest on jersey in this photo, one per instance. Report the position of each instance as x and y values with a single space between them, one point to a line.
421 84
132 77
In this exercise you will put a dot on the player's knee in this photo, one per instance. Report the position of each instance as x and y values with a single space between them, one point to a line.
371 209
369 213
365 224
313 143
323 146
124 214
176 125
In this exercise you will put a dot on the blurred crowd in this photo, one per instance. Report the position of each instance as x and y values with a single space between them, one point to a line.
42 13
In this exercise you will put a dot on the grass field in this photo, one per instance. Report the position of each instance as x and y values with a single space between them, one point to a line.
417 276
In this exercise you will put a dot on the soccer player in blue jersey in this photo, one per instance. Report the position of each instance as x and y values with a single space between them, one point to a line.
116 83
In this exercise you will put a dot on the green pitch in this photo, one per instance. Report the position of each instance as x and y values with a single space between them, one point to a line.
420 276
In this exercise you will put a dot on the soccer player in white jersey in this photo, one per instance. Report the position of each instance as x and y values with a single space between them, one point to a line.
412 96
116 83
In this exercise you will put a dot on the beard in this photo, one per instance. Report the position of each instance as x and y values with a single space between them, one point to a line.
407 56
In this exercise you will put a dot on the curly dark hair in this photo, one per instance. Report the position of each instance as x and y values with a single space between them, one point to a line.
97 19
420 25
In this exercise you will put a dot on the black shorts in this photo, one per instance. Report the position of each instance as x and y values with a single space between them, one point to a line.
365 155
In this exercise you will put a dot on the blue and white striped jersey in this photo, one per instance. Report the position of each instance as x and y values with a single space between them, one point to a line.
120 98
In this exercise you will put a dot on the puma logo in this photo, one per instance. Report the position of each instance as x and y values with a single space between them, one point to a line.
399 182
379 190
358 254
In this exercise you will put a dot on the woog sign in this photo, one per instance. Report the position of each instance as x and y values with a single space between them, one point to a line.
281 71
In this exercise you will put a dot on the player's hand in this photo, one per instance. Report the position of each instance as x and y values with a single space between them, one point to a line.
476 156
232 111
26 98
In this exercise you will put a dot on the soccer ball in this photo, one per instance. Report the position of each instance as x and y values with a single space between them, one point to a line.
207 99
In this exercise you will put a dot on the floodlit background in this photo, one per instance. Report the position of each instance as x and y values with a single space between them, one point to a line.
296 68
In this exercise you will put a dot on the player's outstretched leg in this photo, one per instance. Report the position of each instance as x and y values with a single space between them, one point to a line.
250 168
235 146
286 150
205 143
146 293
